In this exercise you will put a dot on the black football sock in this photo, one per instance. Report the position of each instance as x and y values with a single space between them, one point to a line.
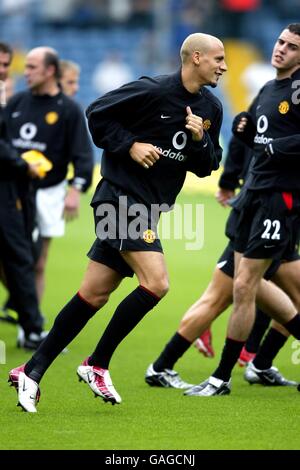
293 326
260 326
230 355
269 348
127 315
68 323
173 350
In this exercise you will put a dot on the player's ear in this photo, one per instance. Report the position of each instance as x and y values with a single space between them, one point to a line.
197 57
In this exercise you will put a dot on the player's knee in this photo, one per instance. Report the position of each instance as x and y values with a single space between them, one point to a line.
97 299
102 299
241 288
164 288
159 287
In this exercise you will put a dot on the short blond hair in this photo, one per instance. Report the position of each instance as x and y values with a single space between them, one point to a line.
68 65
196 42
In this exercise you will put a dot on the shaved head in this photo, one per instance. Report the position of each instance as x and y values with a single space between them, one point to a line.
197 42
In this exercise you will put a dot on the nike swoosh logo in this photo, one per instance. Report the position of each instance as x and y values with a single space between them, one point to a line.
24 389
205 145
165 117
221 264
271 381
89 378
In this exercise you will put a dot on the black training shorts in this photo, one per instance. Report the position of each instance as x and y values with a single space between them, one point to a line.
122 224
226 262
268 225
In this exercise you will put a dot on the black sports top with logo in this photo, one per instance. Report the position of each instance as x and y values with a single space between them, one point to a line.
277 140
54 125
153 110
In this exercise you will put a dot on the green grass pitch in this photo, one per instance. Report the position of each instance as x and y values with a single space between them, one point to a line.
252 417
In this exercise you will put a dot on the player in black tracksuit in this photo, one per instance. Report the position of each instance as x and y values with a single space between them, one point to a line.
159 117
152 131
274 175
15 248
55 126
217 297
269 220
44 119
236 167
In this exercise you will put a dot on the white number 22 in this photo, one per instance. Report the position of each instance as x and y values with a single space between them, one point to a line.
269 224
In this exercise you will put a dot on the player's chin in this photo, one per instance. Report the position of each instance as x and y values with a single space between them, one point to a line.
213 83
215 80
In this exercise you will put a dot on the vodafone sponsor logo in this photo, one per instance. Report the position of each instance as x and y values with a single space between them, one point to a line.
262 126
27 133
173 155
262 139
179 142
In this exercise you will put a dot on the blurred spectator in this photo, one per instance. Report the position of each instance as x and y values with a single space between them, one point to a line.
287 10
111 73
233 14
189 16
69 79
57 11
11 7
84 13
255 76
240 5
91 12
119 10
142 12
15 24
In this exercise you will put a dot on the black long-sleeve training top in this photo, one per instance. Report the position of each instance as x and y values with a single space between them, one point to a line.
54 125
153 110
276 139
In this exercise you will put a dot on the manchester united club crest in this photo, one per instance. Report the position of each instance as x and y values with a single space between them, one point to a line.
283 107
149 236
206 124
51 118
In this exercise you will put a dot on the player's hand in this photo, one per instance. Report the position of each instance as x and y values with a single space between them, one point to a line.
223 196
34 171
144 154
72 203
241 125
241 122
194 124
244 128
